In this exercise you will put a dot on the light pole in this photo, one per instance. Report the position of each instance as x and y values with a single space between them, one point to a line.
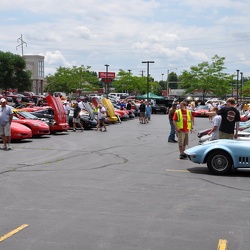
237 86
168 82
148 62
241 84
129 71
106 80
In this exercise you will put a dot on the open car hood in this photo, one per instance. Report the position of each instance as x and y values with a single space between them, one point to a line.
57 106
89 109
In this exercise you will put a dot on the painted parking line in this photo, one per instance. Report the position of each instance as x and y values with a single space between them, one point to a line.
178 170
8 235
222 245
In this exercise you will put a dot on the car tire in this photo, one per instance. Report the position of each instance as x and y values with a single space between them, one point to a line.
219 162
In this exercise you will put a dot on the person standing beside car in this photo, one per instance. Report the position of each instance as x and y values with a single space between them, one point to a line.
6 115
67 110
230 118
76 117
216 124
171 137
183 122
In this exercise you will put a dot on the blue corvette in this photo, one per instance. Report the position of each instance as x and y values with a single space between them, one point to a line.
221 156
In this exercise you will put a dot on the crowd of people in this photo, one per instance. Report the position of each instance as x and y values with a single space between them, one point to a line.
224 117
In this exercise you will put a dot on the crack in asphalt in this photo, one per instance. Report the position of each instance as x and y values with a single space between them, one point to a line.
25 165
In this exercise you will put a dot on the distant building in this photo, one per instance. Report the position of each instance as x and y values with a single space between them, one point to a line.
35 64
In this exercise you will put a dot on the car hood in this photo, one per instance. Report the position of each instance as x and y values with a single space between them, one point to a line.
56 104
110 108
89 109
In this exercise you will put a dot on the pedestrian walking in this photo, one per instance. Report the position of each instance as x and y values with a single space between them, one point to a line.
101 116
6 115
183 122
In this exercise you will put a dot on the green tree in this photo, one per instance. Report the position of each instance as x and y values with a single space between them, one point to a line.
126 82
173 80
207 78
246 89
72 79
13 73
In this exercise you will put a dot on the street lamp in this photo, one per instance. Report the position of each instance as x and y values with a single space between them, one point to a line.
148 62
237 86
168 81
106 80
241 84
129 71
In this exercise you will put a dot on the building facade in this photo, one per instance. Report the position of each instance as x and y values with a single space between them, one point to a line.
35 63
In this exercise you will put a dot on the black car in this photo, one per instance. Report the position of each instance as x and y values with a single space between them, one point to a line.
88 121
162 106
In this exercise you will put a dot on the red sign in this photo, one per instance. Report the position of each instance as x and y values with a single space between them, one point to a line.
107 75
106 79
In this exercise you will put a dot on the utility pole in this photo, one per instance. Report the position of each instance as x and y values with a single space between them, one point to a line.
148 62
142 72
20 39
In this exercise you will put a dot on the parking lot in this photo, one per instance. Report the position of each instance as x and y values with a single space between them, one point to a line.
124 189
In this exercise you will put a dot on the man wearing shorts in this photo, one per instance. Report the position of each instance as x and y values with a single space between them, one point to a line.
76 117
183 122
6 115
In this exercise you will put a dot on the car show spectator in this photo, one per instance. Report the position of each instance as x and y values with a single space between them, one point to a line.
6 115
66 107
76 117
171 137
142 109
183 122
148 111
216 124
101 115
230 118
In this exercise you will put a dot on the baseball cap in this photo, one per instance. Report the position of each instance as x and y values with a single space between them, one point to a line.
3 100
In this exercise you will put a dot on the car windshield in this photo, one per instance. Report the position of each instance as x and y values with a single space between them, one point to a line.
27 115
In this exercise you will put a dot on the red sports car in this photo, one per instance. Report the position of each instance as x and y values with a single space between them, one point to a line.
37 127
201 111
20 132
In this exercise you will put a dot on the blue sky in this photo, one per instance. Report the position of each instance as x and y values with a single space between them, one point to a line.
174 34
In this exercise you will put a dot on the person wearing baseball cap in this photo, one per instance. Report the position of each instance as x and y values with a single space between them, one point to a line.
6 115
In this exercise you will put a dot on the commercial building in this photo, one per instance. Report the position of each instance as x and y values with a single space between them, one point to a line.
35 63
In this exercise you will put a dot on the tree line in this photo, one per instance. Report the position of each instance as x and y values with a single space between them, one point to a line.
207 78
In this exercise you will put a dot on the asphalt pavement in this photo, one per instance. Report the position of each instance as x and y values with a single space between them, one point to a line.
122 189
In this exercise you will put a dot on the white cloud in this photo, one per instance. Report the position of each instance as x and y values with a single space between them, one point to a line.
123 33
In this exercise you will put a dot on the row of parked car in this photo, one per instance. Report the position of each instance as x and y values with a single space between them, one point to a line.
35 121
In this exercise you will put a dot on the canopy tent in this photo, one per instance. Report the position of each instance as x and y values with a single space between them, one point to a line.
150 96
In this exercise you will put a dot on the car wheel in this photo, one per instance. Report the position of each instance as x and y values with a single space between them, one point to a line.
219 162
